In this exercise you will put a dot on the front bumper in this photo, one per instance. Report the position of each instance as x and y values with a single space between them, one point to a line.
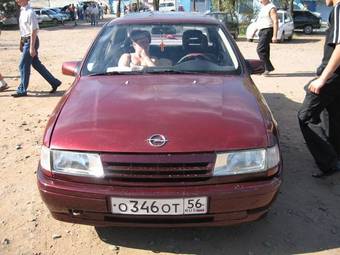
89 204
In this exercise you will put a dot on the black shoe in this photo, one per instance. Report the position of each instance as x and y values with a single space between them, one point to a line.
54 88
266 73
19 95
332 171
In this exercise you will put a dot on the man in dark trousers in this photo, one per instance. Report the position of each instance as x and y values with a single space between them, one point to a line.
323 96
267 25
29 45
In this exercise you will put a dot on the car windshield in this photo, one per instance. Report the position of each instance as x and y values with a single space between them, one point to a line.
51 12
281 17
161 48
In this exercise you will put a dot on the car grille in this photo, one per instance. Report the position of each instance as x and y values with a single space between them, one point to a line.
159 168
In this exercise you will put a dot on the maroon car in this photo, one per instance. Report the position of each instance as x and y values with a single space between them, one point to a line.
161 131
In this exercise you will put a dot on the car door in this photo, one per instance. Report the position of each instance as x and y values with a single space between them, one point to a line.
288 24
44 15
281 32
312 19
232 23
299 19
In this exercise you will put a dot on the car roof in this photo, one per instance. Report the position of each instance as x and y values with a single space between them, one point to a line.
302 11
226 12
155 17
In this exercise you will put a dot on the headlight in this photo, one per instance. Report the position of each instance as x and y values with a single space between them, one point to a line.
73 163
45 158
248 161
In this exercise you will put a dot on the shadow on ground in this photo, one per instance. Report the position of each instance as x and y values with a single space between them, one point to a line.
304 218
59 93
296 74
298 40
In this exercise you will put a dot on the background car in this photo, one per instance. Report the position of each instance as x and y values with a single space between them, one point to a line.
306 21
12 20
186 141
49 16
167 7
285 32
229 19
61 11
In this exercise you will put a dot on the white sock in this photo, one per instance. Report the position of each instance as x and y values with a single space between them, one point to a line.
2 83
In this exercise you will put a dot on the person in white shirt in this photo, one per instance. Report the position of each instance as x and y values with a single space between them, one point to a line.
29 44
267 25
94 15
3 84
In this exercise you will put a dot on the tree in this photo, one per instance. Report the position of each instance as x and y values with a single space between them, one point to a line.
118 8
231 5
224 5
8 7
156 5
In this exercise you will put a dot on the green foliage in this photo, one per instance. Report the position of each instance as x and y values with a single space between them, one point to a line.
223 5
8 7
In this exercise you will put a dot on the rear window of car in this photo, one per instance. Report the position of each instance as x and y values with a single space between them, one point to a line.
174 48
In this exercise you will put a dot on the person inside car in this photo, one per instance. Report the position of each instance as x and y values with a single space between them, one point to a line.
141 42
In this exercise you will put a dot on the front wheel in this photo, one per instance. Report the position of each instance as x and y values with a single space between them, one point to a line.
282 39
235 35
308 29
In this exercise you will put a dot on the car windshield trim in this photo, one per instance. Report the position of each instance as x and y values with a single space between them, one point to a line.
157 70
101 60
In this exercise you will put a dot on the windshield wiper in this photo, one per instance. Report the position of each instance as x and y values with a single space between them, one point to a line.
174 71
108 73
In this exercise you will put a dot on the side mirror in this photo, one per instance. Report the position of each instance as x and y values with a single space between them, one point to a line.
255 66
71 68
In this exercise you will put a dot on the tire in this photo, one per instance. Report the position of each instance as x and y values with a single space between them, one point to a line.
308 29
55 22
290 38
235 35
282 39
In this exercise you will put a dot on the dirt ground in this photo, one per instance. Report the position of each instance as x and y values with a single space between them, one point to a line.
305 219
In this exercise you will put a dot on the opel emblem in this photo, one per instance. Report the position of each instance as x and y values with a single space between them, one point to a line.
157 140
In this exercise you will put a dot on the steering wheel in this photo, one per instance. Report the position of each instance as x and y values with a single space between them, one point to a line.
192 56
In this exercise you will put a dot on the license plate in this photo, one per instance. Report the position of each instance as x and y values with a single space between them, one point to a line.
176 206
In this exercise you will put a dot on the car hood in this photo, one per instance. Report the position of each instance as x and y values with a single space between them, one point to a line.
119 113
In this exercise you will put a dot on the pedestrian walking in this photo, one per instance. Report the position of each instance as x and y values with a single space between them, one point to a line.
94 15
88 12
3 84
319 115
267 26
29 44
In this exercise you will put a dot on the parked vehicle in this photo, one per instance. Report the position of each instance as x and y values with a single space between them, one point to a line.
168 5
285 32
62 12
11 20
47 15
8 21
188 142
229 19
306 21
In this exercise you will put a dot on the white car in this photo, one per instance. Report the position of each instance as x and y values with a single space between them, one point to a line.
167 7
11 20
47 15
286 28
